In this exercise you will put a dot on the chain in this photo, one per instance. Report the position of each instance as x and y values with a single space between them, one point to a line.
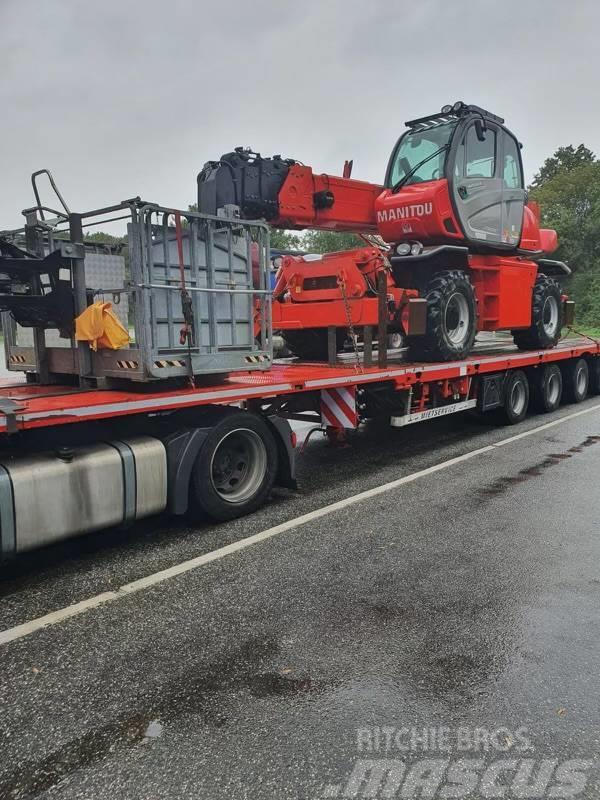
342 285
571 329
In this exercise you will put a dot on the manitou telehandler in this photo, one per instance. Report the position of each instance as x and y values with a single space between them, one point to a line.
460 246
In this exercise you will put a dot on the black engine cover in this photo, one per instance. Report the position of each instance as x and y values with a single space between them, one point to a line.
245 179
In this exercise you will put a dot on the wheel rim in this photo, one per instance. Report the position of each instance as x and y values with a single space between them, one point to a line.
553 389
581 380
238 465
518 398
550 316
457 319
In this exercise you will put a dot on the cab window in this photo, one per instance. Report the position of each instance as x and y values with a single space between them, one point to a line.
425 147
513 177
479 156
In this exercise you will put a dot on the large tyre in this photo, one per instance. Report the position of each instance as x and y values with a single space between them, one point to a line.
451 318
546 316
311 344
546 388
236 468
516 397
594 374
576 379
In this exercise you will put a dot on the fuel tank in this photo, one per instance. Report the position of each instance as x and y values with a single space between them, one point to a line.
48 496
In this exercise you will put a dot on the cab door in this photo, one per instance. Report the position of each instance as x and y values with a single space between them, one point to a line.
478 186
514 194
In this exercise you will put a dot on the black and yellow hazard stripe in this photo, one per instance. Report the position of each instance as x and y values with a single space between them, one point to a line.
256 359
169 363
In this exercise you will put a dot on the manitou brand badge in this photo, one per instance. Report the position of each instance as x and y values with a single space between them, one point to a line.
405 212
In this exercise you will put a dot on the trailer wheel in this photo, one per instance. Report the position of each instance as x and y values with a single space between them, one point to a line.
516 397
311 344
235 469
451 318
576 380
594 374
546 316
546 388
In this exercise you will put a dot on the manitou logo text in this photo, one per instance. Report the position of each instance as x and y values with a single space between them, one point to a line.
405 212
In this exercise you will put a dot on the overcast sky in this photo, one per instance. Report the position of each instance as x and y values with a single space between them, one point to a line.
120 98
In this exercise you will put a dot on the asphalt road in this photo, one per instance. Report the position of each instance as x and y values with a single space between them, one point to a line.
455 616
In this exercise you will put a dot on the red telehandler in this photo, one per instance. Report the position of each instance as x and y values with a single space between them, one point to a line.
459 244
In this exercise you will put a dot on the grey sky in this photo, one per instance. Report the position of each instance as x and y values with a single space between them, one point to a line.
120 98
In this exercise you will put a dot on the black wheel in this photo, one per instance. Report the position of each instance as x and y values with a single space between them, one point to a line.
395 340
235 469
311 344
546 388
451 318
576 380
594 375
516 397
546 316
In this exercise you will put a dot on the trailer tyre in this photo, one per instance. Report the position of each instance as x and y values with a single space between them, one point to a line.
451 318
546 388
594 374
546 316
576 380
516 397
236 468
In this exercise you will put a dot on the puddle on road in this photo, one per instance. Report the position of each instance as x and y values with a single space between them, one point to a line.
276 684
198 694
506 482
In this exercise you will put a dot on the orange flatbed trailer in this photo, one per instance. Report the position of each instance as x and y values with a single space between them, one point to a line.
43 406
73 460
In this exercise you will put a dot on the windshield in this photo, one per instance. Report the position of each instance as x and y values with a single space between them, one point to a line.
417 146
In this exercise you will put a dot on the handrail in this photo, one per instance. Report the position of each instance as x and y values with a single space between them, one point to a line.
39 207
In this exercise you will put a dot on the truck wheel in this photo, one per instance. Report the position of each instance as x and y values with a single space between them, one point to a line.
594 375
311 344
235 469
451 318
546 316
576 380
516 397
546 388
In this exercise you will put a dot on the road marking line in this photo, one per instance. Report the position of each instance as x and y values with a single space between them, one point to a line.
55 617
544 427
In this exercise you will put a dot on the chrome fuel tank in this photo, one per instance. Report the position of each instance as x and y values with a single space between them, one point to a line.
54 495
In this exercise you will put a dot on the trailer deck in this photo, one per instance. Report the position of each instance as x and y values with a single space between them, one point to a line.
44 406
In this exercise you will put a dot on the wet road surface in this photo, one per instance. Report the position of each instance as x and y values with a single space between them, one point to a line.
391 630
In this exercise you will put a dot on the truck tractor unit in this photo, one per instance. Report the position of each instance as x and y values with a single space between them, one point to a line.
457 244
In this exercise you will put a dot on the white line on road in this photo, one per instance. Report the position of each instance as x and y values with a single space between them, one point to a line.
55 617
